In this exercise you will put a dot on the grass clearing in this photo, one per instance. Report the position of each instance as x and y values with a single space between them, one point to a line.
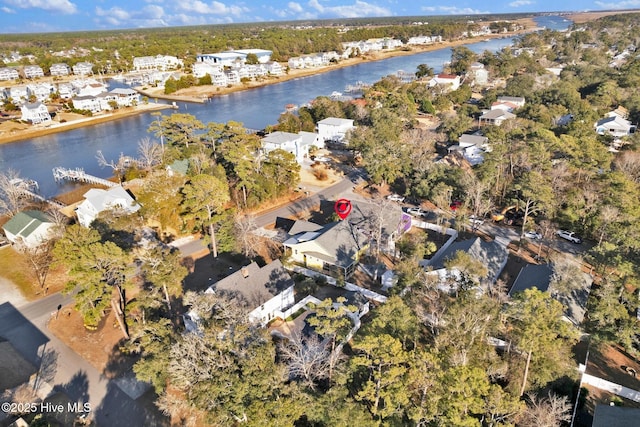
14 266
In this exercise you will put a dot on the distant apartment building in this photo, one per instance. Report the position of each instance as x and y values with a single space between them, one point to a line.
83 68
7 73
230 57
32 71
158 62
59 69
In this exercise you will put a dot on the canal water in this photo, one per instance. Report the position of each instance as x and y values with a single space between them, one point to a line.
256 108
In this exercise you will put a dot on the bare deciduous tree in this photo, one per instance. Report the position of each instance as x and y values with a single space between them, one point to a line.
12 198
150 153
548 411
118 166
40 258
245 227
308 359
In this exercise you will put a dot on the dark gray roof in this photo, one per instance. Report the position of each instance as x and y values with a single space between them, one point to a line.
343 240
256 285
532 275
492 254
302 226
615 416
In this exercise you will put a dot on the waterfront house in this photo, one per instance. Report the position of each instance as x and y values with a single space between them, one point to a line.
83 69
8 73
41 91
263 55
265 291
158 62
32 71
98 200
201 69
125 97
88 103
28 229
334 129
290 142
274 68
59 69
66 90
447 82
35 113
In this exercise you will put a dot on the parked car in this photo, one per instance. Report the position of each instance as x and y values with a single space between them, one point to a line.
417 212
533 235
569 235
395 198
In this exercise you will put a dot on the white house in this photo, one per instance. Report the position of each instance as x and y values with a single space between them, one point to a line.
88 102
334 129
518 101
42 91
201 69
83 68
59 69
97 200
35 113
290 142
32 71
446 81
496 117
7 73
28 229
615 126
222 58
158 62
263 55
125 97
265 291
472 148
19 93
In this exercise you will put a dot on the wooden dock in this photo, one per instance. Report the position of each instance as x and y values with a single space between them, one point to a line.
79 175
26 187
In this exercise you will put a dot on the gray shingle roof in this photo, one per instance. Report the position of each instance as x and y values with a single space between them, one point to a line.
532 275
492 254
256 285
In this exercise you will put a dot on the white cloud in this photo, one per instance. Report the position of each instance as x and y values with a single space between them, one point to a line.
213 8
7 10
62 6
357 9
453 10
115 14
519 3
628 4
295 7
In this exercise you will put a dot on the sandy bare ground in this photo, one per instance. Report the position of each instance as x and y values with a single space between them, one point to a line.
10 293
582 17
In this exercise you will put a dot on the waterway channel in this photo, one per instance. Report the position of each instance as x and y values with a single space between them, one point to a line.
256 108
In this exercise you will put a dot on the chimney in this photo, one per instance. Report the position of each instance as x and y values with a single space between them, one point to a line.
245 272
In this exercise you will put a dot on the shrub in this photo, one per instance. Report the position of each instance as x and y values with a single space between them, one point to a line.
320 174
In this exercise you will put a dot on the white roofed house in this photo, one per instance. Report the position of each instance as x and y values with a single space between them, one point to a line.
88 102
615 126
448 82
518 101
82 68
496 117
263 55
35 113
8 73
201 69
472 148
19 93
32 71
266 291
289 142
334 129
65 90
97 200
222 58
42 91
59 69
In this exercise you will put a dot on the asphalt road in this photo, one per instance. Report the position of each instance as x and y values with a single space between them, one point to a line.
62 369
307 203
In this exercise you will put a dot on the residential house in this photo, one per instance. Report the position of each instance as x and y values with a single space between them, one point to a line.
59 69
8 73
335 248
289 142
28 229
19 94
88 103
620 111
35 113
492 255
125 97
418 40
334 129
518 101
472 148
32 71
274 68
82 69
263 55
158 62
180 167
448 82
98 200
480 74
201 69
615 126
496 117
222 58
41 91
265 291
66 90
540 277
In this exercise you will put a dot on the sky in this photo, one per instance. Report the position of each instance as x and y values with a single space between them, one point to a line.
35 16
